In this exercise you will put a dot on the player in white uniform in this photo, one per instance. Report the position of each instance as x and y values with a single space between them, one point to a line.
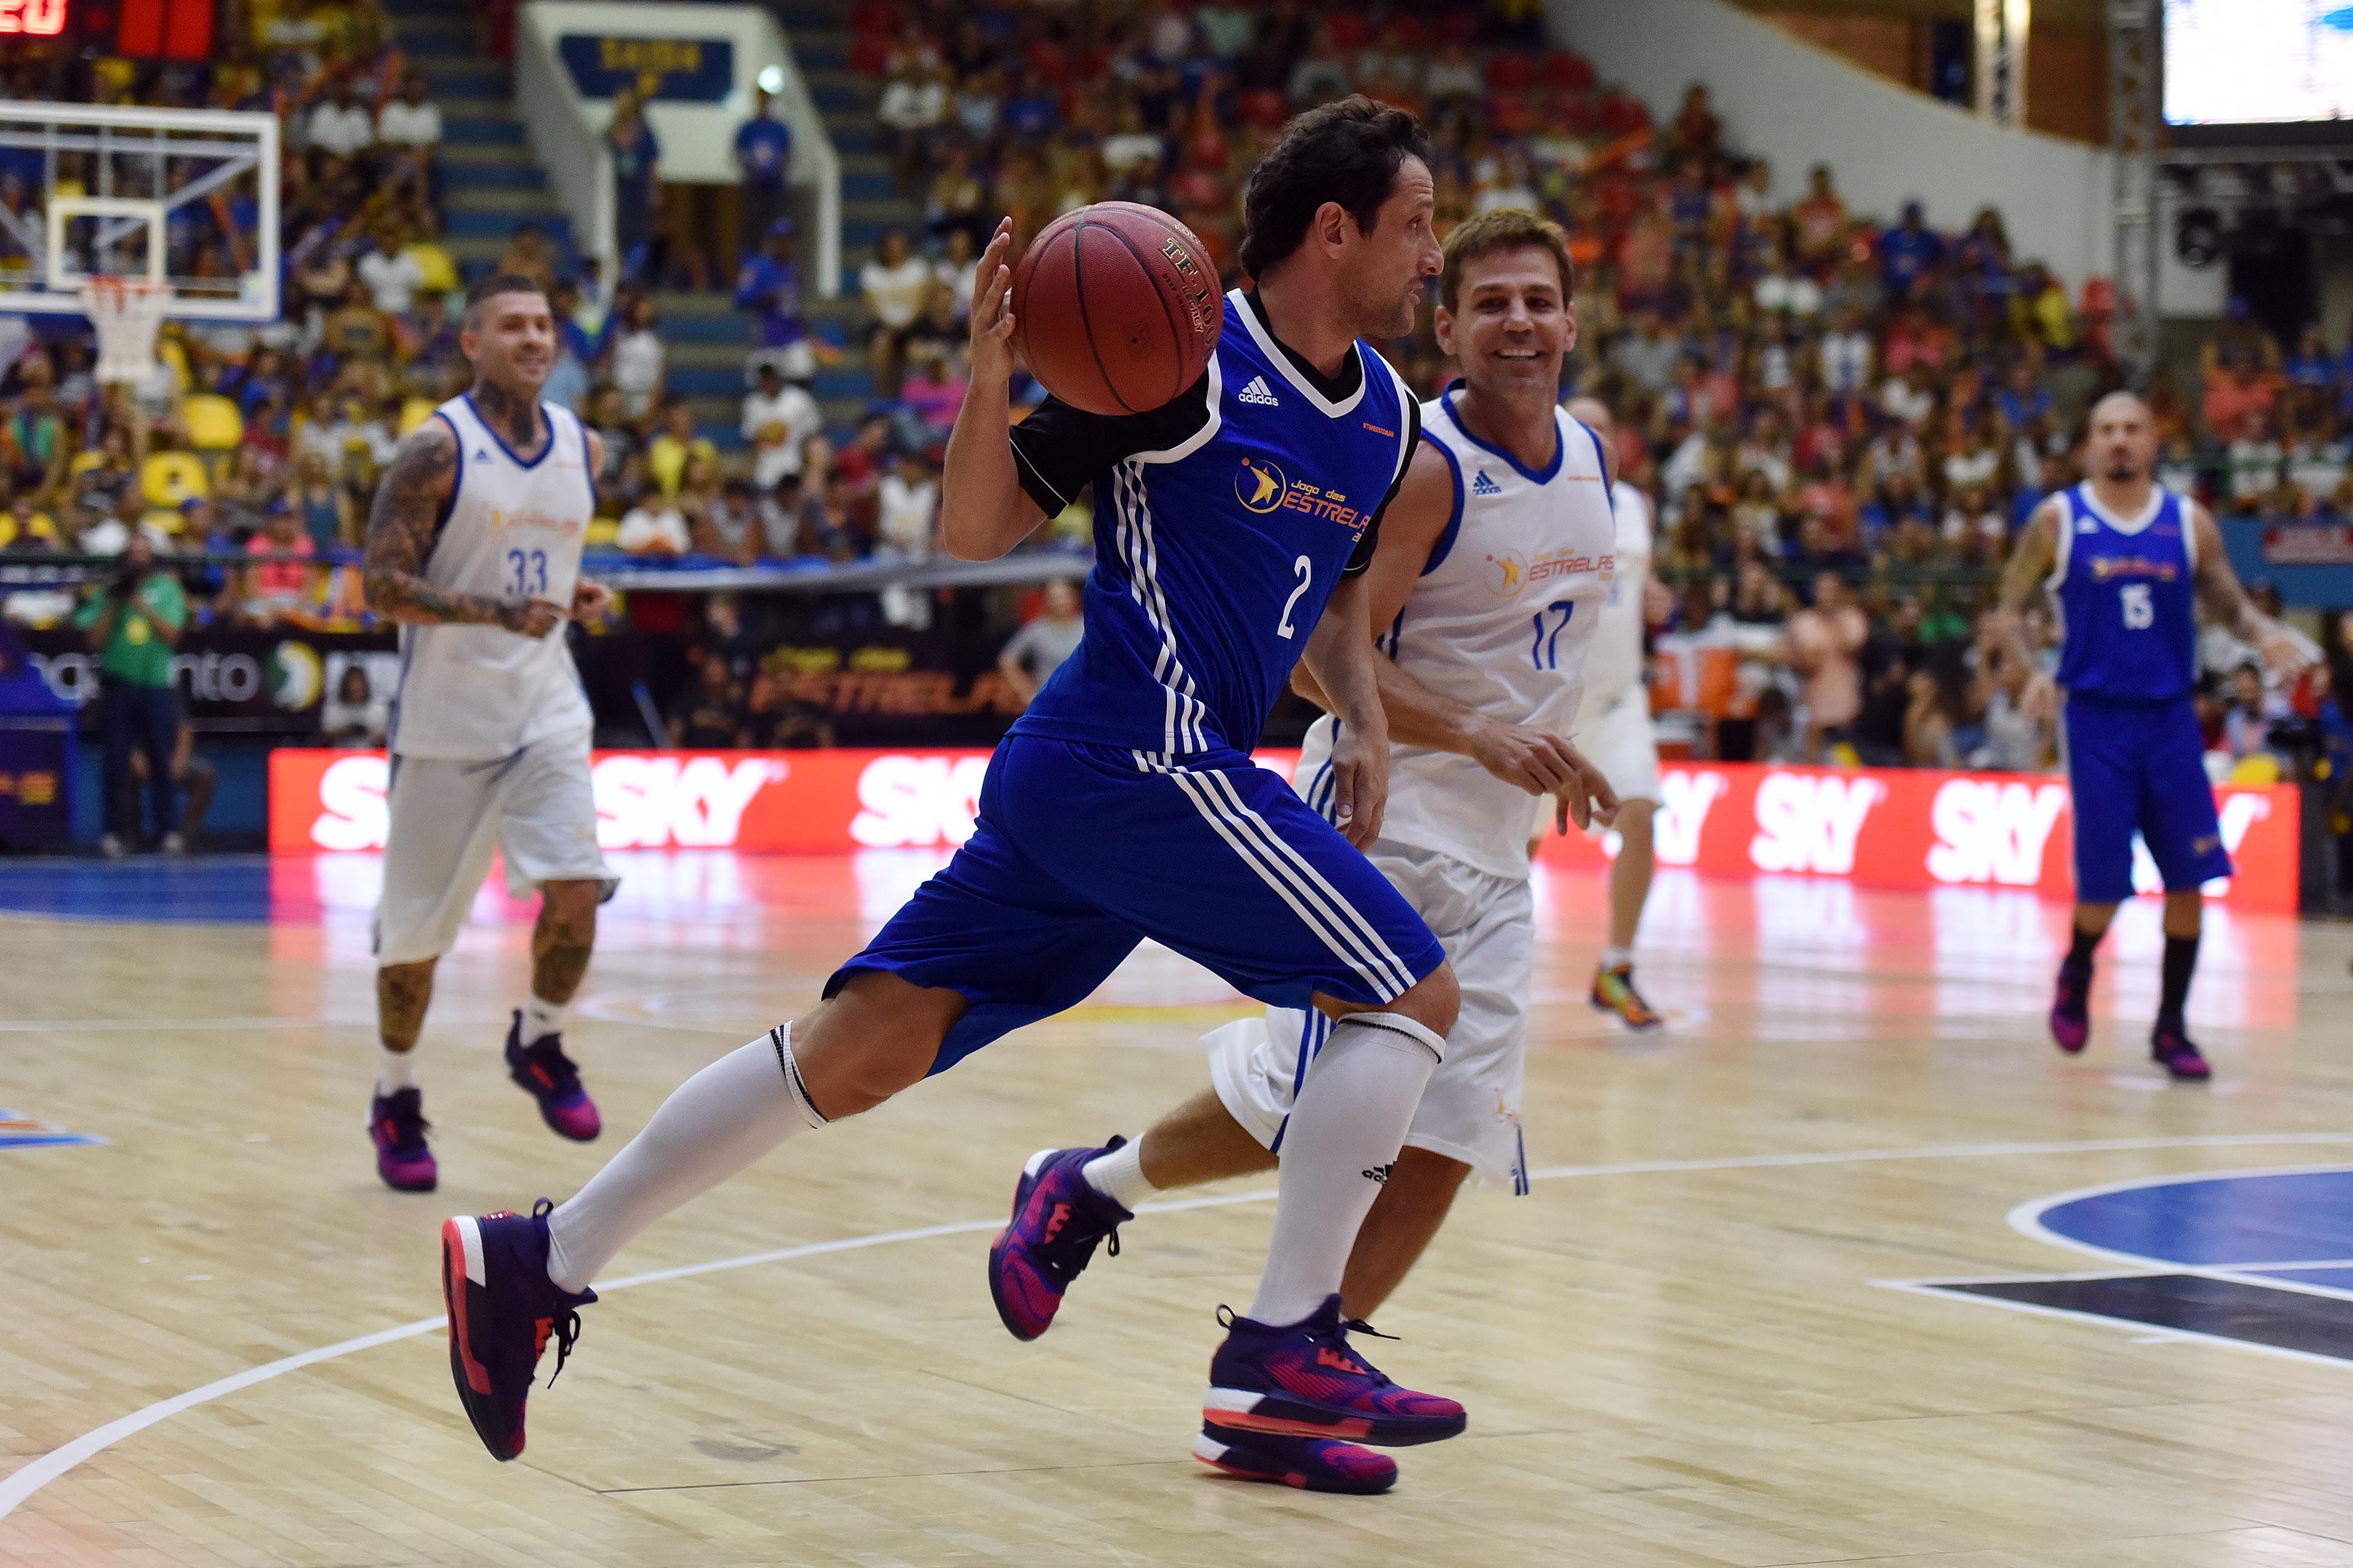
1614 731
473 546
1493 561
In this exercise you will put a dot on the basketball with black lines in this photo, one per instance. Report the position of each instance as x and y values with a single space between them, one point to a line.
1116 308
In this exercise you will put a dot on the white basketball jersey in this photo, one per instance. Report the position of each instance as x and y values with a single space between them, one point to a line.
513 532
1501 620
1616 665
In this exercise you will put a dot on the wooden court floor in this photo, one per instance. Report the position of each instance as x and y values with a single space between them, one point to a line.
1687 1346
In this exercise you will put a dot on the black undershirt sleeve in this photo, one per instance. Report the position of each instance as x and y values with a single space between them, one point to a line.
1370 539
1058 450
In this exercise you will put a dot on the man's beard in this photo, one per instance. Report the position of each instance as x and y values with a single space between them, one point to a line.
1383 315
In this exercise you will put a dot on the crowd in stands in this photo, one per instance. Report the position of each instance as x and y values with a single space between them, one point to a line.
1843 420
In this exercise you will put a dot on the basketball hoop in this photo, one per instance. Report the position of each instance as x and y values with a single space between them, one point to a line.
127 312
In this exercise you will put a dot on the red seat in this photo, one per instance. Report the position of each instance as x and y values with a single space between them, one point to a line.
1562 68
869 53
1510 70
1264 106
1347 29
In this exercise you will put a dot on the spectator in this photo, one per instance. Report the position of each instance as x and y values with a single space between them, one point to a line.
636 162
776 720
1824 646
914 106
709 715
269 592
1908 253
1819 223
1033 653
411 119
668 455
338 123
895 285
763 167
132 622
112 535
778 418
638 355
392 274
730 526
769 286
355 714
653 526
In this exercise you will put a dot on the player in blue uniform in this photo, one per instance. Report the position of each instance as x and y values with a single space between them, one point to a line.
1230 527
2130 563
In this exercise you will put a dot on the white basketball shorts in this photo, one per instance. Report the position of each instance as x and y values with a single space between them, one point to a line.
1471 1112
448 818
1617 737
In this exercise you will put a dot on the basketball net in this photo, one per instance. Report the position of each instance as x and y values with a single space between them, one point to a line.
127 312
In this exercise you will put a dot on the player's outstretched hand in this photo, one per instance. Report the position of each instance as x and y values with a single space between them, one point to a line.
531 617
992 311
1537 761
1589 798
1360 786
590 599
2288 651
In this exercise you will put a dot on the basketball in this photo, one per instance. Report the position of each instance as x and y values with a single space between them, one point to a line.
1116 308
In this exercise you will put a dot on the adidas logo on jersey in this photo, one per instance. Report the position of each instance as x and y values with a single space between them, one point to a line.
1257 392
1484 486
481 455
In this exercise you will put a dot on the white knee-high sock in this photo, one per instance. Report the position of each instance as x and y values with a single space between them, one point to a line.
1343 1134
712 1125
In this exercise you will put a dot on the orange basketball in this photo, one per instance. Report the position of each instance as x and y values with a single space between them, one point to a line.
1116 308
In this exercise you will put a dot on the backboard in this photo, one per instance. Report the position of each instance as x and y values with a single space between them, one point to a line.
183 197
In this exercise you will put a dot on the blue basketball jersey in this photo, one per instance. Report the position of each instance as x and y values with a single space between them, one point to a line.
2126 598
1215 556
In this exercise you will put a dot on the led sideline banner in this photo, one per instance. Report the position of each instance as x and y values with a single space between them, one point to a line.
1889 827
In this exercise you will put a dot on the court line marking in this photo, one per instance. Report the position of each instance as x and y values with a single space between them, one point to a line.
2027 1220
2143 1334
26 1479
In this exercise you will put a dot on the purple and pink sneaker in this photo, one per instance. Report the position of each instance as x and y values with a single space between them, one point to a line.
396 1125
2070 1007
503 1309
1311 1464
544 1070
1058 1219
1304 1380
2170 1047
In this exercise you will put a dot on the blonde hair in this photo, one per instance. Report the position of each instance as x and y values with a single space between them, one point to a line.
1504 228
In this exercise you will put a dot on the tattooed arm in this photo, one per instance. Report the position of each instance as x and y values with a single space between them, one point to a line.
2031 560
400 536
2285 650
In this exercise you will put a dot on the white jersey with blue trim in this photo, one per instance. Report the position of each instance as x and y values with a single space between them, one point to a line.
511 530
1502 621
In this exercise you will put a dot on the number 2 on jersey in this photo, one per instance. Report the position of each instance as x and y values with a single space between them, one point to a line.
2140 613
1306 570
530 568
1547 649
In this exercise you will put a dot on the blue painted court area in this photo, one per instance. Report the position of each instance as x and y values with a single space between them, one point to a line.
216 889
2247 1223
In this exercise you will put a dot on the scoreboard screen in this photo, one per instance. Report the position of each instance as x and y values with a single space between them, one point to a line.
2258 62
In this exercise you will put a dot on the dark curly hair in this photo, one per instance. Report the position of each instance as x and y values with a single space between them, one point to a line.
1348 152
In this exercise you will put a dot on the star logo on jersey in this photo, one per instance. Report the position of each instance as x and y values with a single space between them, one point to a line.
1258 391
1512 574
1260 486
1485 486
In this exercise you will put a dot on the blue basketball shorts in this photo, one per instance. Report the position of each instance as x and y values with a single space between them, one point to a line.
2140 766
1082 851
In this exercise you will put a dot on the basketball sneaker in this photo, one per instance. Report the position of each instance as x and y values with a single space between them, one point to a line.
503 1309
2070 1007
548 1074
2170 1047
1304 1380
396 1123
1613 992
1311 1464
1057 1220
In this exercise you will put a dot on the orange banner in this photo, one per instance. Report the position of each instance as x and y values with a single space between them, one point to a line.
1889 827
